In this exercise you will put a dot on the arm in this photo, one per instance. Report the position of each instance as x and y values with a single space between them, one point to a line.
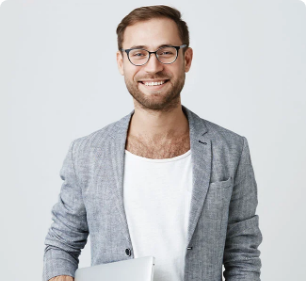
69 231
241 257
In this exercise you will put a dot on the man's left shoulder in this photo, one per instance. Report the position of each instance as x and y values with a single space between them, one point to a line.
221 138
224 137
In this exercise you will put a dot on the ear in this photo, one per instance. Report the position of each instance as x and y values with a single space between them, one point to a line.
188 58
120 62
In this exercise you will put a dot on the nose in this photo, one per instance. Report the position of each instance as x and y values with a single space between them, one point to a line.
153 65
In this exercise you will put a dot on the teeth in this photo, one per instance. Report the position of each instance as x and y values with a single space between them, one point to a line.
154 83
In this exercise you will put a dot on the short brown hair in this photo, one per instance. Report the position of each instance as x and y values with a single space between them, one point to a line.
151 12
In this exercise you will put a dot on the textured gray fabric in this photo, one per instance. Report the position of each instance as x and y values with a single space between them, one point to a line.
223 226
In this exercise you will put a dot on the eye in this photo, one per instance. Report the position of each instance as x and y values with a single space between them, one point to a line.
137 54
166 53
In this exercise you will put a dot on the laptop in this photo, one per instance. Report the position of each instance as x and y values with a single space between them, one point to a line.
137 269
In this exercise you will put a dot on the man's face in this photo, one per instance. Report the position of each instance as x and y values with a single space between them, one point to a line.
151 34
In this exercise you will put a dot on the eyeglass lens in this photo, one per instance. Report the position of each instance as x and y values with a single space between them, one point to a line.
164 54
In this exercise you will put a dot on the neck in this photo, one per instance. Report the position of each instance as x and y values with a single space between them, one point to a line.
156 124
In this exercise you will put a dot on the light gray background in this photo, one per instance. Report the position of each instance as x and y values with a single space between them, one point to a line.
59 81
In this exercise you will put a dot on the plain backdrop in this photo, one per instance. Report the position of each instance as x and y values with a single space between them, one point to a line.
59 81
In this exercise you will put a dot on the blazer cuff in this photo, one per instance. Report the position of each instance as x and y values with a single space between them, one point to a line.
58 262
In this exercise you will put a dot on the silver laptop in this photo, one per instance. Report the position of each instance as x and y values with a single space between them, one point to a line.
138 269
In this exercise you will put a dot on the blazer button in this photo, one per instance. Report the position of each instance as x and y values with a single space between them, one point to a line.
128 251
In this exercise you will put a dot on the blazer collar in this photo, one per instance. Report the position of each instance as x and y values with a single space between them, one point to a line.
200 145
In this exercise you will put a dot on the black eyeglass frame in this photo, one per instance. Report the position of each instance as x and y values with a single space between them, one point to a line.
176 47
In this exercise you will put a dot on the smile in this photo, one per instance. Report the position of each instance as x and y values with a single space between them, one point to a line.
154 84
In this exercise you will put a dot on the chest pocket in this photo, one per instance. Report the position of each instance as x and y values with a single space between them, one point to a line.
217 198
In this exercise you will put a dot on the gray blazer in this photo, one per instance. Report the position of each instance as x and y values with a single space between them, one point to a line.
223 227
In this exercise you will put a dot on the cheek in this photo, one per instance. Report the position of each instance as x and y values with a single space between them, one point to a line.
130 80
131 74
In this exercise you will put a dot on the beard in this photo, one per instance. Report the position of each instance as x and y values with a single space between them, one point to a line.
164 99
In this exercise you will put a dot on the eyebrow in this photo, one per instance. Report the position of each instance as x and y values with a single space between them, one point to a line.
144 47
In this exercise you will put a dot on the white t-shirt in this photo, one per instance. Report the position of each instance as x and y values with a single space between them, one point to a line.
157 196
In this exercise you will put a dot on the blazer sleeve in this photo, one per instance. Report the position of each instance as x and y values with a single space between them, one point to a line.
241 255
69 231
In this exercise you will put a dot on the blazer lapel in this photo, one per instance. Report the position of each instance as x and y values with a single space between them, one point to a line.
200 146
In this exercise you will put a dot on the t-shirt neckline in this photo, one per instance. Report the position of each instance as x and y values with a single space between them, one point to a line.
179 157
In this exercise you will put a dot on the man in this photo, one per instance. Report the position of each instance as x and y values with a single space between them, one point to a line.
161 181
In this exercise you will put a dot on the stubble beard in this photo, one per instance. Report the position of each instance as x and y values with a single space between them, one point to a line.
161 99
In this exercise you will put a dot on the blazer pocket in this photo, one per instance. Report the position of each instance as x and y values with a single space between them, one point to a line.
221 184
217 199
219 190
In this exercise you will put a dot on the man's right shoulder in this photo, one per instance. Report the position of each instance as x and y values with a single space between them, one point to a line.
97 139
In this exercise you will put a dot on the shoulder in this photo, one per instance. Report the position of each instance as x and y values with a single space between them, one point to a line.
95 139
220 136
218 131
224 138
227 146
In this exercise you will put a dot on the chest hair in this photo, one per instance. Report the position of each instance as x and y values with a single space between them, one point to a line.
160 148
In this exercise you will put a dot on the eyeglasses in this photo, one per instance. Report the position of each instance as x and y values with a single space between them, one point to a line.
165 54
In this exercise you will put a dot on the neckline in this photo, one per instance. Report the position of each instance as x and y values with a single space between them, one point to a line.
179 157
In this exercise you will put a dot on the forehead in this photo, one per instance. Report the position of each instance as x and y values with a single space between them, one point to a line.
151 34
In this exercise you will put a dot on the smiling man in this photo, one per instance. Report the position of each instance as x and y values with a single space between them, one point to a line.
161 181
159 128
